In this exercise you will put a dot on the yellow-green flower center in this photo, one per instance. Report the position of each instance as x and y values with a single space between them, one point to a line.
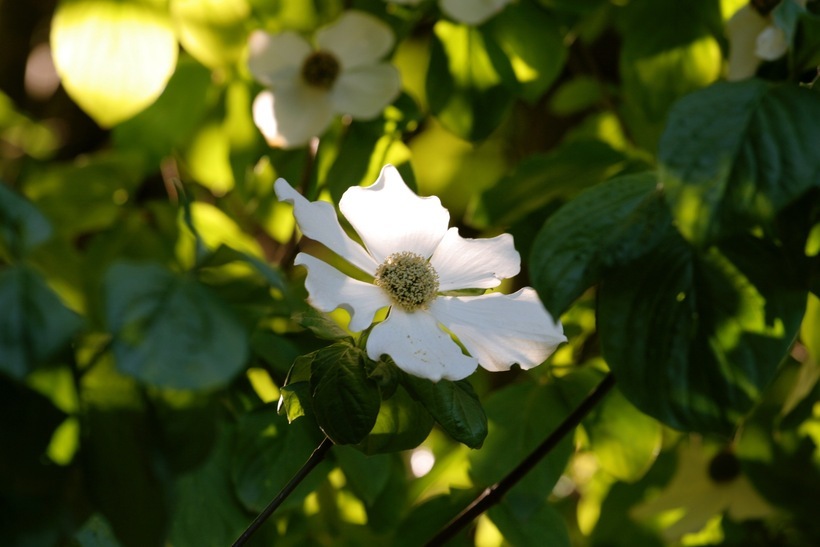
409 279
320 69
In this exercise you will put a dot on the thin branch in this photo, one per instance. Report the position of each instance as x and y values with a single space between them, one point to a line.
494 493
315 458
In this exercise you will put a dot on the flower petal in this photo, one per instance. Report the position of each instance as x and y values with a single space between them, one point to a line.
742 30
500 330
418 346
364 91
472 12
277 59
463 263
330 289
291 114
318 221
390 218
356 39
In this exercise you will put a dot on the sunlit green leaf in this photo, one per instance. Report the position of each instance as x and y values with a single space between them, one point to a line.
609 224
516 29
170 330
114 57
722 178
34 325
466 81
694 337
213 31
345 401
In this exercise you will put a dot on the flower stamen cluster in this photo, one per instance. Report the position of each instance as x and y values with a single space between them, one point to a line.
320 69
409 279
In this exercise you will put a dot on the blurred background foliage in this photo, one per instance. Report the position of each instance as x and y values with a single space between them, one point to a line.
150 312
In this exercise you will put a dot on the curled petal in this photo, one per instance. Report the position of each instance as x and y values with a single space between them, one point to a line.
330 289
363 92
291 114
276 59
500 330
390 218
418 346
463 263
356 39
318 221
472 12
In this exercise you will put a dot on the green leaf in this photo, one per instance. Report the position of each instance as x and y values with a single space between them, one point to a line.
427 518
722 178
171 331
214 32
679 56
521 416
205 510
366 476
295 394
34 325
22 225
96 532
529 521
516 29
691 337
113 57
467 81
267 452
403 423
321 325
562 173
607 225
454 405
345 401
169 123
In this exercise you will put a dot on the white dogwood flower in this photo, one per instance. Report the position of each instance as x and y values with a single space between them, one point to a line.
412 261
754 37
470 12
309 85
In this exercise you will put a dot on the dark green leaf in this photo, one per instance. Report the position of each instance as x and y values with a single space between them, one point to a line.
562 173
454 405
693 337
366 476
96 532
426 519
529 521
403 423
267 453
226 255
345 401
722 178
521 416
34 324
22 226
205 510
170 330
609 224
467 81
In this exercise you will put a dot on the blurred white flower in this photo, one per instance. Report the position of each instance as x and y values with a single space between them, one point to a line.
411 261
343 74
705 484
469 12
754 37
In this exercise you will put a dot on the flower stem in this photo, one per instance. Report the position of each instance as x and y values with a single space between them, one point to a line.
315 458
494 493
